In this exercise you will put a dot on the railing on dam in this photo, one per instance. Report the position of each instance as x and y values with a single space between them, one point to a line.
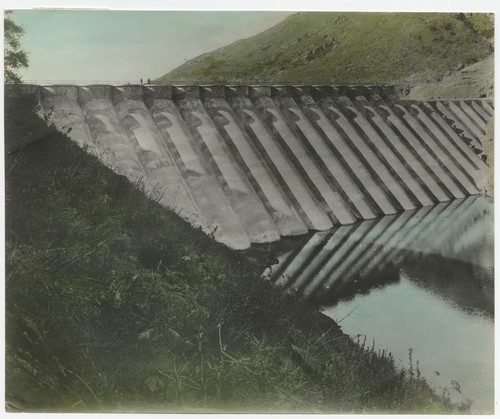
251 163
146 82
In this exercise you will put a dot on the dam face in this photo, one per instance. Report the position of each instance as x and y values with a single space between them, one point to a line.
249 164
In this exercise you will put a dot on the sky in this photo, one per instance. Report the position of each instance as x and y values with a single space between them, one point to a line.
115 45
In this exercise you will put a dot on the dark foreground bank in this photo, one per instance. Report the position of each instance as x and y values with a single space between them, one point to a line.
115 304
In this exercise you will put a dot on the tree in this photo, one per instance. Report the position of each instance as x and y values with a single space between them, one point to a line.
14 57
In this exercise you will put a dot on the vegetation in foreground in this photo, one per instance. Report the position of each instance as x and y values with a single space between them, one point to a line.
344 48
115 304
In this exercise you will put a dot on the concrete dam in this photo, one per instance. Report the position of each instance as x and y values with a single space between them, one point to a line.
249 164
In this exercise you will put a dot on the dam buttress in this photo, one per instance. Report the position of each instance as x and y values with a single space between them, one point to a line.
249 164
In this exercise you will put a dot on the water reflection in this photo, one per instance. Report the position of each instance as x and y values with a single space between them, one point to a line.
448 242
420 279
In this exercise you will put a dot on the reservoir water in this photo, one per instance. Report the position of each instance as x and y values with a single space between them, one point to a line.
421 279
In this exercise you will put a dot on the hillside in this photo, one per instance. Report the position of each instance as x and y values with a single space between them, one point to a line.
348 48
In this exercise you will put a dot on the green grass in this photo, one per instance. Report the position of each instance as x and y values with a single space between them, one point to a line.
115 304
347 48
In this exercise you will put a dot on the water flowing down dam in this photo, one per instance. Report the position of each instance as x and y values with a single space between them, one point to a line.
250 164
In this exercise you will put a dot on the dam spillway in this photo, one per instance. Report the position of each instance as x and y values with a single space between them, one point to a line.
249 164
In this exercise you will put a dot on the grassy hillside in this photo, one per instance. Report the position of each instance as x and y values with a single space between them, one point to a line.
347 48
115 304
